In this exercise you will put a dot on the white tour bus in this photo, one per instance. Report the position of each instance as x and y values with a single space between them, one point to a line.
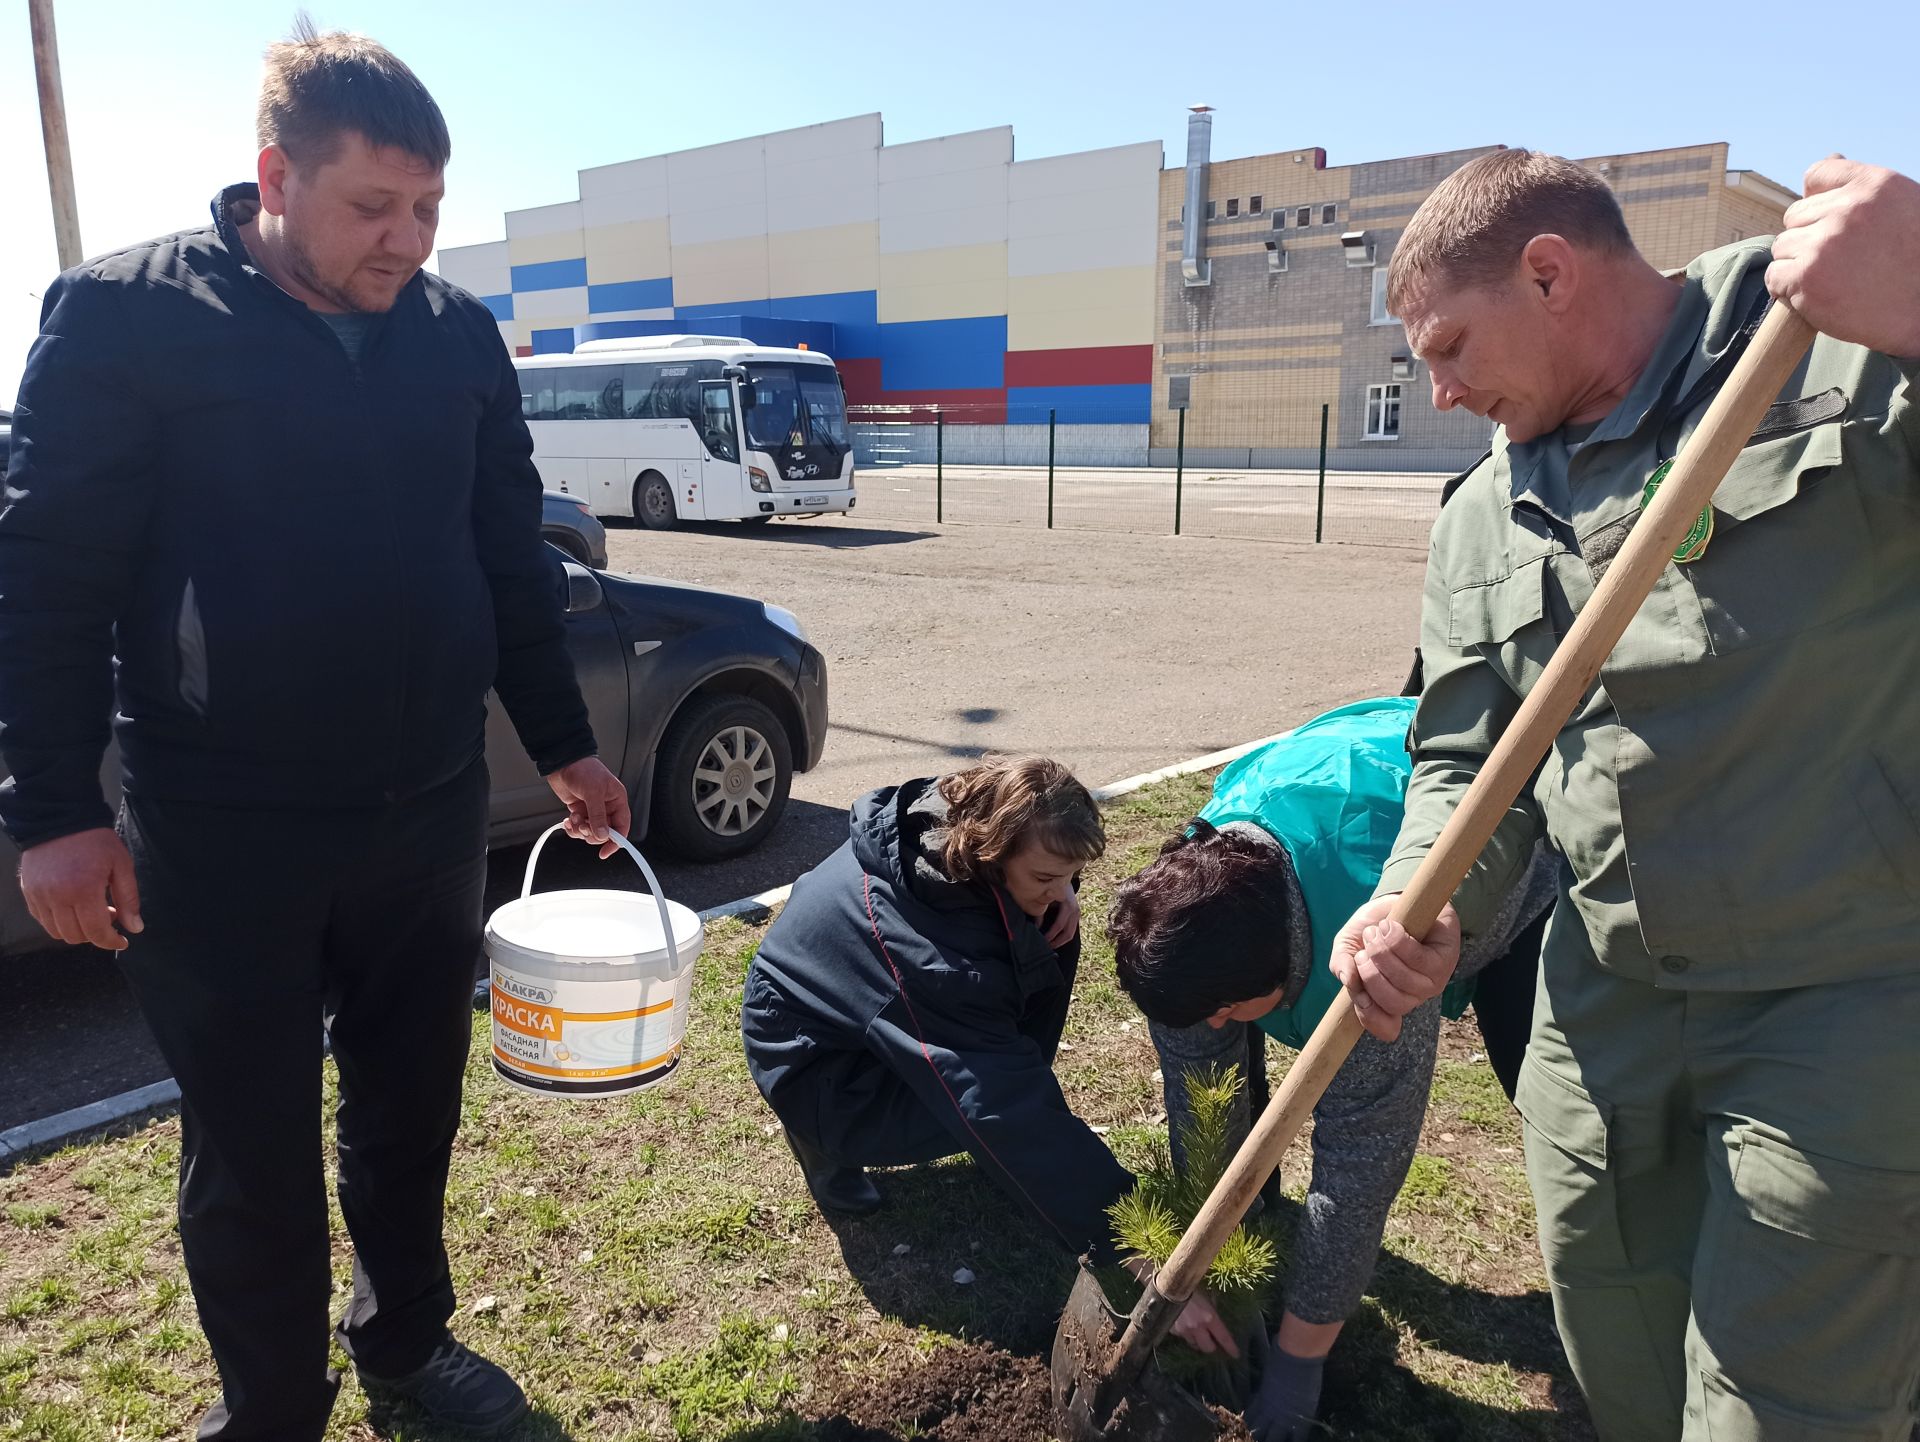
690 428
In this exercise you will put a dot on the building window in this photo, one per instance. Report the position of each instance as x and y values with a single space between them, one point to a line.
1279 220
1383 412
1303 217
1253 206
1233 208
1327 214
1378 314
1210 206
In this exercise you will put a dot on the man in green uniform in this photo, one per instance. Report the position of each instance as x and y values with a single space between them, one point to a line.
1722 1093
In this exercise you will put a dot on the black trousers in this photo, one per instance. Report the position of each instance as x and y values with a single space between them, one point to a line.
258 926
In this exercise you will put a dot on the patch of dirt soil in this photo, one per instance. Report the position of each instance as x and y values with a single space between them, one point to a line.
960 1394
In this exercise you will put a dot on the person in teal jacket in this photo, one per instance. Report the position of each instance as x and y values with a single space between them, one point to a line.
1224 939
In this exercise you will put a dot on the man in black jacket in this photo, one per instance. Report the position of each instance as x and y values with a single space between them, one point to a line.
271 496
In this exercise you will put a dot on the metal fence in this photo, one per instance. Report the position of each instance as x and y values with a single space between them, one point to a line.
1028 466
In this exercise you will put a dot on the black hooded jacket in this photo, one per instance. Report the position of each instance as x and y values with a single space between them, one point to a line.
881 973
309 569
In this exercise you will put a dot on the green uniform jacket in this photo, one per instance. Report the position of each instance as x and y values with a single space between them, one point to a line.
1738 797
1331 792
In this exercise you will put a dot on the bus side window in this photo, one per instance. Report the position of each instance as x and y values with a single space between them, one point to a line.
536 394
667 391
641 382
581 392
609 406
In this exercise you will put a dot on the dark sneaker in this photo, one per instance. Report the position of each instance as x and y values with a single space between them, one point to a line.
836 1186
457 1388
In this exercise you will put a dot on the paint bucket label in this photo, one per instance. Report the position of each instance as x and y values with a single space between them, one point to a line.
586 1038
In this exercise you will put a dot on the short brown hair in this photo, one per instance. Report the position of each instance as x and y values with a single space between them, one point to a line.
1004 803
1472 229
319 87
1206 924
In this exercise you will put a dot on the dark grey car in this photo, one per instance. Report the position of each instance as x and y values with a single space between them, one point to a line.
569 524
704 703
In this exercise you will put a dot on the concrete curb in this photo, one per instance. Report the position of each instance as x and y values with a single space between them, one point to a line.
757 907
62 1127
1180 768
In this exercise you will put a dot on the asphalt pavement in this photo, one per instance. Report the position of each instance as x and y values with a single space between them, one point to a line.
1118 654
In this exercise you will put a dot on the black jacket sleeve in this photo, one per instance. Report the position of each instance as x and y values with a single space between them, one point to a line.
78 493
994 1091
535 680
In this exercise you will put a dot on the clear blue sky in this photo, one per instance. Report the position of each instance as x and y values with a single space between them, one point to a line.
160 100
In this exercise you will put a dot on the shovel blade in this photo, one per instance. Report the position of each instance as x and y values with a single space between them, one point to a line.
1087 1408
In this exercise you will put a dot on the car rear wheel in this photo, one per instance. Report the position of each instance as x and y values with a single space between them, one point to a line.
722 777
653 502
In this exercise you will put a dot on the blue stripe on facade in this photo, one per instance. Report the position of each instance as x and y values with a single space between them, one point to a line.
926 355
500 305
631 295
847 307
550 275
1080 405
853 314
553 342
963 354
725 307
759 329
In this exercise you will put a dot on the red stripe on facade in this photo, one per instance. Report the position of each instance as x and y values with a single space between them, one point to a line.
523 350
960 407
862 377
977 407
1099 365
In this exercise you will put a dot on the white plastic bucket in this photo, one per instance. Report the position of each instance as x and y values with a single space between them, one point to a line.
589 998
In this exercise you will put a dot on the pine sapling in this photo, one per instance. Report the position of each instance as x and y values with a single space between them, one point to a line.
1149 1222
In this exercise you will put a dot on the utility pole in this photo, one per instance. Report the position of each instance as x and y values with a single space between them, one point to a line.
53 126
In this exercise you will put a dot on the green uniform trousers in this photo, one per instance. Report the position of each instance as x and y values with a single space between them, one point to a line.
1728 1187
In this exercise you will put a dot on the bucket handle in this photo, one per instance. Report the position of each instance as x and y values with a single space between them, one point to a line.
660 900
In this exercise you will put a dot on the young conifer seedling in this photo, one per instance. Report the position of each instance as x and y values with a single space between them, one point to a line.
1150 1220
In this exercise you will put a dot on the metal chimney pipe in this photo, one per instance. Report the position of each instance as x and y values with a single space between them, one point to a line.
1194 266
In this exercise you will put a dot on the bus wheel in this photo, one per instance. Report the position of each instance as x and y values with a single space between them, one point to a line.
653 502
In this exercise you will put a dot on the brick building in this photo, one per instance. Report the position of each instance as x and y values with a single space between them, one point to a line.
1290 313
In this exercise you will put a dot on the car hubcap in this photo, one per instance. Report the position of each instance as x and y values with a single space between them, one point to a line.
733 781
655 501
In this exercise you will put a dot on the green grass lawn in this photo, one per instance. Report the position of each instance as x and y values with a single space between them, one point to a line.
651 1267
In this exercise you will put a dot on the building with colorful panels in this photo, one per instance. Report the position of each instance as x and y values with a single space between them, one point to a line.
938 273
948 275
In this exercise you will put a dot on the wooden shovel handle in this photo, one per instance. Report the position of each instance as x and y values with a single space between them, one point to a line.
1769 363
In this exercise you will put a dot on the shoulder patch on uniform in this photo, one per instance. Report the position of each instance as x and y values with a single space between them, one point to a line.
1783 418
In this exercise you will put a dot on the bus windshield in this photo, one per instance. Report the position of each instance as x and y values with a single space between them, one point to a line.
796 405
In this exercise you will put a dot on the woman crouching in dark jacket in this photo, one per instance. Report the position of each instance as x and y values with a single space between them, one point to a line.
907 1003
